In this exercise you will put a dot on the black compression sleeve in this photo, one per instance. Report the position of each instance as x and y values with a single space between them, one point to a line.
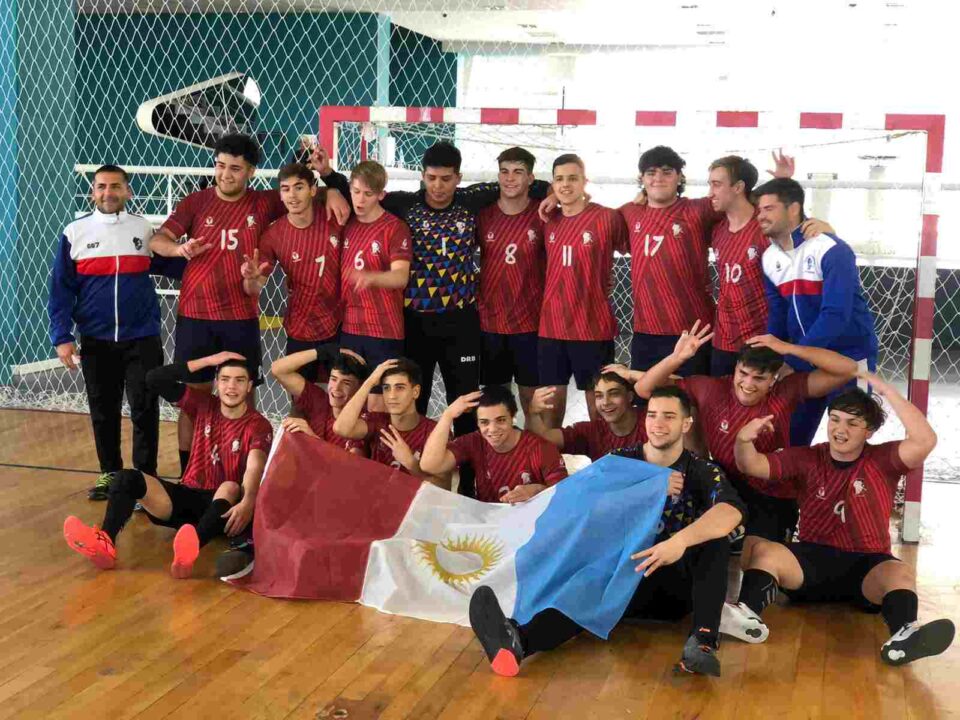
169 381
327 353
478 196
338 181
539 189
400 202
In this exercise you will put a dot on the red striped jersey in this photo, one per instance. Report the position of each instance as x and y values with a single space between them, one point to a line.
576 303
533 461
371 247
310 258
381 452
594 438
315 406
669 249
512 267
212 287
843 505
742 303
218 452
721 416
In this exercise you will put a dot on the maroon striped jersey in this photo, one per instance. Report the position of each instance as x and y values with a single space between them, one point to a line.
218 452
576 303
533 461
742 303
315 406
594 438
310 258
512 267
844 505
669 250
374 312
721 416
212 287
381 452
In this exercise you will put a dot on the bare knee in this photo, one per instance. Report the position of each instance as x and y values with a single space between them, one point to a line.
229 491
886 577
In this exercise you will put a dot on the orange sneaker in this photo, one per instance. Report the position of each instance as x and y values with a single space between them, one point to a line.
186 548
92 542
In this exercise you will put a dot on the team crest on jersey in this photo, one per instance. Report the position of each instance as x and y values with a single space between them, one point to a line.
206 430
425 226
138 243
403 246
215 455
778 266
375 247
461 227
251 221
587 238
490 236
346 243
235 445
809 263
531 235
821 493
553 237
295 257
859 488
333 240
636 228
677 230
724 426
752 253
525 478
209 221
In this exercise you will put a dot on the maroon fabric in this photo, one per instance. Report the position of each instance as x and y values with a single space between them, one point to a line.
318 510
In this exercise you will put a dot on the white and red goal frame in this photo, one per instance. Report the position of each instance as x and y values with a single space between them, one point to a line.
921 345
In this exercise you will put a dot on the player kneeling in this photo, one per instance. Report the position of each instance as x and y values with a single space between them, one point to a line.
219 488
512 465
846 488
684 571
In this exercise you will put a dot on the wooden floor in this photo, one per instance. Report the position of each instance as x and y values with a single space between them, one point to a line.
133 643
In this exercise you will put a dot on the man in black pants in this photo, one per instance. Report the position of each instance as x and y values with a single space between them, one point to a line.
685 570
100 280
219 488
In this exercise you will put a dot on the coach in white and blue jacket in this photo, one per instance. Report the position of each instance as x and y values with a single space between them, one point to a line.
101 282
813 292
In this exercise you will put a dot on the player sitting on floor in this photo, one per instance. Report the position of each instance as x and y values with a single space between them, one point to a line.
685 570
396 437
219 488
846 488
512 465
618 423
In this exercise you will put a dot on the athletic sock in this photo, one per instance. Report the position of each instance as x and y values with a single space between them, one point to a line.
758 589
211 524
127 488
899 607
707 636
184 461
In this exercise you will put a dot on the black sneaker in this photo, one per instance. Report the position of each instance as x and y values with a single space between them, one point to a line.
699 658
101 488
914 641
498 636
235 562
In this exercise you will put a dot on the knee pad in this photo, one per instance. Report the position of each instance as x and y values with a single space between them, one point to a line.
130 483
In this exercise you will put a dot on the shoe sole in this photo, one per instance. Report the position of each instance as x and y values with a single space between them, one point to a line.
486 619
709 667
731 626
931 639
186 549
82 539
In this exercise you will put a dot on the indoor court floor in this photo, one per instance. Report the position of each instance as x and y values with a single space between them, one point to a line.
134 643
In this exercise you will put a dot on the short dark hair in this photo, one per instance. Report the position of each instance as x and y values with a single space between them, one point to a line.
567 159
738 170
610 377
861 404
663 156
787 190
405 366
672 391
112 169
442 154
296 170
494 395
348 365
235 363
517 154
238 145
762 359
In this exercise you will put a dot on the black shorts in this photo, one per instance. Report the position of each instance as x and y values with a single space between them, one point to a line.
198 338
557 360
768 517
311 372
722 362
504 358
189 505
374 350
833 575
647 350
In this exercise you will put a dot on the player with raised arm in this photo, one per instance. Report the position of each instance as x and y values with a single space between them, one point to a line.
396 437
219 488
307 246
685 570
725 404
846 488
577 326
618 423
813 291
512 465
512 268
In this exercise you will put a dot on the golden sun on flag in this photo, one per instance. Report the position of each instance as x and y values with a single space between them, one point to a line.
459 562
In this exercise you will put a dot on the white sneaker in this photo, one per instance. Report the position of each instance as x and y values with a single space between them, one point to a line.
914 641
740 622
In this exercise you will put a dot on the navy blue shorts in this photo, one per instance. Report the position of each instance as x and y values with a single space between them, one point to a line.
722 362
768 517
559 359
834 575
312 372
374 350
504 358
647 350
195 339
